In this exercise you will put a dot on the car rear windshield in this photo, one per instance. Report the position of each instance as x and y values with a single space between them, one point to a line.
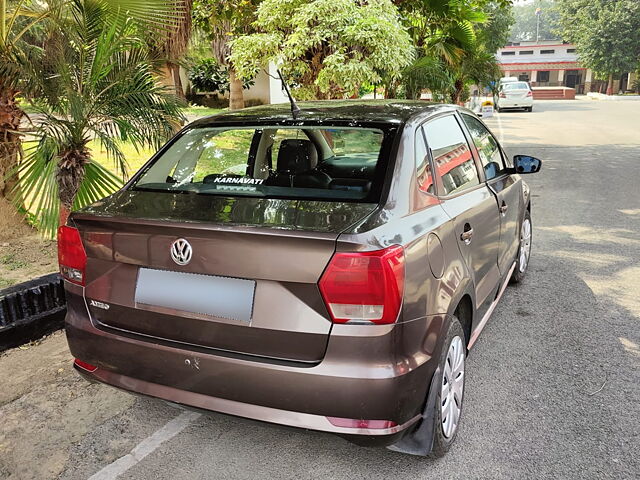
516 86
306 162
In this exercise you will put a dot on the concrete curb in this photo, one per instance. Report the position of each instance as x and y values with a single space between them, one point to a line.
615 98
30 310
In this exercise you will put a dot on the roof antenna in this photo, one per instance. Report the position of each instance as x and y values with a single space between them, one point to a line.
295 110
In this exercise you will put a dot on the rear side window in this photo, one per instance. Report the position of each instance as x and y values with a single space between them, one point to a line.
487 146
451 154
424 176
333 163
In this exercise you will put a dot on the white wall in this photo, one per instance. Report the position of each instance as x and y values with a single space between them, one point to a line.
560 54
260 90
277 93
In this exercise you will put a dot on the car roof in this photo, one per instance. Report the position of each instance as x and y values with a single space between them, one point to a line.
353 111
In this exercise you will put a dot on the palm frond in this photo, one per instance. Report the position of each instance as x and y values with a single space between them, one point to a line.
38 187
463 33
98 183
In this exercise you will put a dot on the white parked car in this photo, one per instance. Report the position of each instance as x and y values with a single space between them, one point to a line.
515 95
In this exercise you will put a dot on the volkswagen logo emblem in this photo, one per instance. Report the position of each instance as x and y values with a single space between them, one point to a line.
181 251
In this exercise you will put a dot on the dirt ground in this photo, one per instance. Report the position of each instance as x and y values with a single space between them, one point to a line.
43 398
24 254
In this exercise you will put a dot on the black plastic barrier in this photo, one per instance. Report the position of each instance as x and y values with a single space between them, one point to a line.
30 310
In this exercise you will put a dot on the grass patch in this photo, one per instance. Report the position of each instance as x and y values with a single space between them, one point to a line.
11 262
135 158
201 111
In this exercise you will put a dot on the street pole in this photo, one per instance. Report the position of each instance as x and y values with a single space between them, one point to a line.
538 12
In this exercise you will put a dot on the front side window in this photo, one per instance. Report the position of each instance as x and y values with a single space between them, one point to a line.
451 154
334 163
487 146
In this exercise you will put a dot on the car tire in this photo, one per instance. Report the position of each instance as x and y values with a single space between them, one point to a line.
524 249
529 109
454 349
428 437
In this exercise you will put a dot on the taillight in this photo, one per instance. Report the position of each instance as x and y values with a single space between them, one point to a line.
71 255
529 93
364 287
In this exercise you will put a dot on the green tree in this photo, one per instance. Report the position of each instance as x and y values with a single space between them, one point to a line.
328 47
102 85
223 21
527 24
606 34
495 33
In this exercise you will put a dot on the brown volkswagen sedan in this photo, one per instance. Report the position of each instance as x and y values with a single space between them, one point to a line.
327 272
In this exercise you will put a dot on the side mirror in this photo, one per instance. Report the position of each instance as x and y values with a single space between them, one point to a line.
526 164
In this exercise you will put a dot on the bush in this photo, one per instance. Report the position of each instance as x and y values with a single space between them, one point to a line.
207 75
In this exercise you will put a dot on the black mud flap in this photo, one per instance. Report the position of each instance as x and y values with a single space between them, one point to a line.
31 310
420 441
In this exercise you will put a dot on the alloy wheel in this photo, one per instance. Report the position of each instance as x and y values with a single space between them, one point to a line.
452 387
525 245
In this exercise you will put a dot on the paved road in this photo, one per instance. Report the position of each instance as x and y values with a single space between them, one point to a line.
554 381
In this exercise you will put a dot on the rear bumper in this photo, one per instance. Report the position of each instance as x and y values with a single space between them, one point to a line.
515 103
231 407
389 383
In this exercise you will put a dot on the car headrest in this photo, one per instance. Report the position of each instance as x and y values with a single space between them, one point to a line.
297 156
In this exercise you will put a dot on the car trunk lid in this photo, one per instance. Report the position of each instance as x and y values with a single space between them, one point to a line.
250 286
519 93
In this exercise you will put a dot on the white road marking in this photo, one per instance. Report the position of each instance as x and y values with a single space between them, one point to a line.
501 132
146 446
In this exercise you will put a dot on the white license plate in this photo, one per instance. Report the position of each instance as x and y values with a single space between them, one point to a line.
223 297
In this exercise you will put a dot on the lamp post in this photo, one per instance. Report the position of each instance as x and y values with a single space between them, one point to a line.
538 12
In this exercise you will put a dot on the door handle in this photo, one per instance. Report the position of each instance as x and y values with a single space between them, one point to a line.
466 235
504 208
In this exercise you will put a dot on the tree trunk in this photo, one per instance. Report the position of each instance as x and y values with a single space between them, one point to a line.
610 85
10 143
236 96
177 81
69 176
458 89
64 214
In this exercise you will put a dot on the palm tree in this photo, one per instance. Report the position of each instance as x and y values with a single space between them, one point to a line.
21 56
15 63
442 27
172 44
102 86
